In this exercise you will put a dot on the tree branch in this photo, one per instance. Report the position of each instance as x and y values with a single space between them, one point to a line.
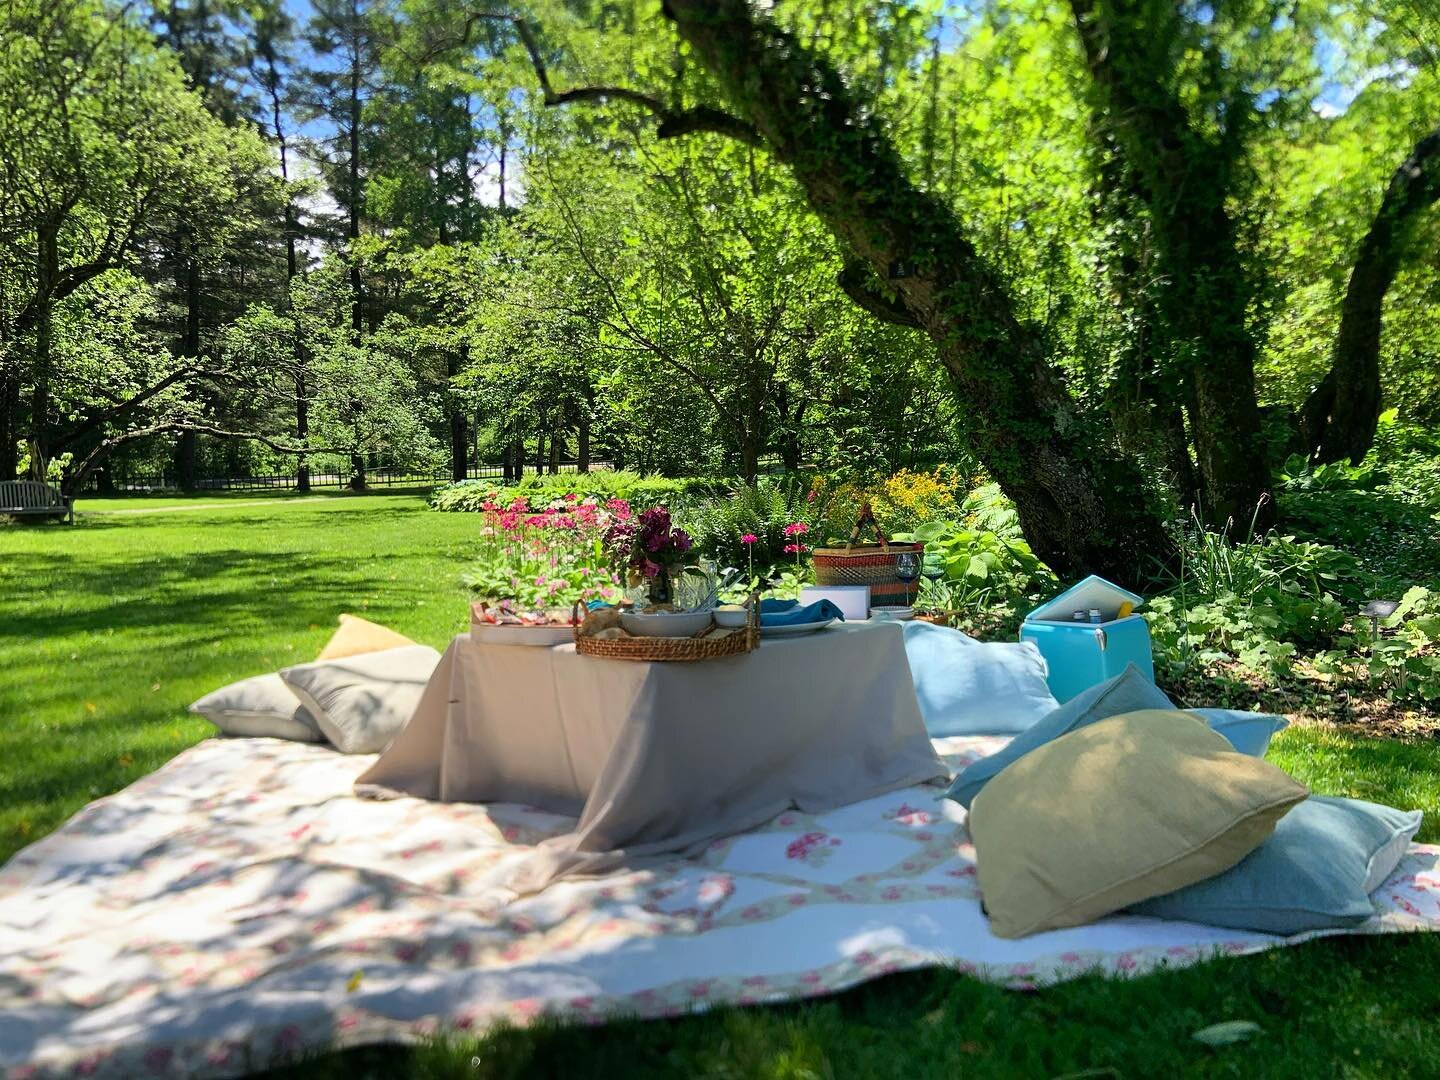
855 280
673 122
1339 416
77 478
90 423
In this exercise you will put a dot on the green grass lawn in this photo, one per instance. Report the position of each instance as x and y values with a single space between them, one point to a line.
109 628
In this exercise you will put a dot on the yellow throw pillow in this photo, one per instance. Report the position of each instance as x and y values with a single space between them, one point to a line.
357 635
1135 806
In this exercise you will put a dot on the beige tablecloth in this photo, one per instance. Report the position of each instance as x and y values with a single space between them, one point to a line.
657 758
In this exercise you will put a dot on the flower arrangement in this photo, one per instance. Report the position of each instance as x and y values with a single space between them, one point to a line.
537 561
652 548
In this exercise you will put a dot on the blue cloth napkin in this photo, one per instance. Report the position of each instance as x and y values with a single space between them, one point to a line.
790 613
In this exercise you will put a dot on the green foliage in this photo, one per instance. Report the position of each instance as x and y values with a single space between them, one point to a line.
762 510
537 558
471 495
1404 663
977 568
1256 601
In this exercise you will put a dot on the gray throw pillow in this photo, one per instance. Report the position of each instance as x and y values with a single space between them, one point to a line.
261 706
1130 691
1316 871
361 702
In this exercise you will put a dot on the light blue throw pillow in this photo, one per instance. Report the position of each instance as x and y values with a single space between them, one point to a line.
969 687
1248 732
1130 691
1315 872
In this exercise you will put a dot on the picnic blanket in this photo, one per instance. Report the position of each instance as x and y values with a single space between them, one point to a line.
241 906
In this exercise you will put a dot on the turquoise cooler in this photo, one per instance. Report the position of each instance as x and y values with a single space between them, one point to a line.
1080 655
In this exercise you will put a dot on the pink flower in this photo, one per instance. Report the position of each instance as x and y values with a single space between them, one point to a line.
797 528
794 549
748 538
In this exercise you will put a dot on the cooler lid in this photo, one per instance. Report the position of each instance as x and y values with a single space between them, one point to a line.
1093 592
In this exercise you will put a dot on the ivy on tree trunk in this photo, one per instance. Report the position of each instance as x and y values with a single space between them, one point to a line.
1082 504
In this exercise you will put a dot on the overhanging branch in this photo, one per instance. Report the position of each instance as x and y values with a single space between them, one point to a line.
855 281
77 478
673 122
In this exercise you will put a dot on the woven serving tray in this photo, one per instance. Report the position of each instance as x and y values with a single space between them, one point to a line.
715 643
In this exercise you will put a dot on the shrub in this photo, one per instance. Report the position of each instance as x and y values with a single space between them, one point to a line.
1405 664
763 510
470 495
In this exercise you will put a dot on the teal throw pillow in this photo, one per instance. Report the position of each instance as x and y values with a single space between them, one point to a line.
1128 692
1248 732
1316 871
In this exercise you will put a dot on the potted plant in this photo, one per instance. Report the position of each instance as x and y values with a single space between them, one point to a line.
537 562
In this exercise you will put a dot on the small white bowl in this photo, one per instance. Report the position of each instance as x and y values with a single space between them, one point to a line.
731 616
664 623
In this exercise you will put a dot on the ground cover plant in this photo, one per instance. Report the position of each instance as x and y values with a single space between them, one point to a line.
109 628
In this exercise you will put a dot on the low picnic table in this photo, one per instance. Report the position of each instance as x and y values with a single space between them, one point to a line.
659 757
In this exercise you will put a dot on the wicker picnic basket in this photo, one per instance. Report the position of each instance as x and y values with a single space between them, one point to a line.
868 564
713 644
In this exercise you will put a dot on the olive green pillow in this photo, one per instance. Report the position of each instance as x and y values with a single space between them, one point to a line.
1116 813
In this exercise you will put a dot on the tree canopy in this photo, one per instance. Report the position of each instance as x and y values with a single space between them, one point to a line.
1117 254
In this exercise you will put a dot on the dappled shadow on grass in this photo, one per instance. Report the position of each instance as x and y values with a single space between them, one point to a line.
200 589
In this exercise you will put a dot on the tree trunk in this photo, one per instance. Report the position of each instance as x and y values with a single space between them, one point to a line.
582 446
357 472
357 320
459 434
517 450
749 458
540 454
302 430
9 424
1181 176
47 265
1082 506
1339 417
557 448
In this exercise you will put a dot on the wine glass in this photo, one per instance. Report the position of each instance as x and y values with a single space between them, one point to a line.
907 567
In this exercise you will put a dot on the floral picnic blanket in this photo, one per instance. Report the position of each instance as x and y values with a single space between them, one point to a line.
241 906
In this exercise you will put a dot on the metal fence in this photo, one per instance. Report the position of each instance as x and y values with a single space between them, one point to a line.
122 482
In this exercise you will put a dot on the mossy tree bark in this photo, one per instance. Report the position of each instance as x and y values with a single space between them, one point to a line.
1185 178
1339 417
1082 504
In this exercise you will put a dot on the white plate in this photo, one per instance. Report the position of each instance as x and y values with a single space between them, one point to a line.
794 629
491 634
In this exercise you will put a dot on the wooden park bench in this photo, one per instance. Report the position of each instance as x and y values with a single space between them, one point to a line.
31 498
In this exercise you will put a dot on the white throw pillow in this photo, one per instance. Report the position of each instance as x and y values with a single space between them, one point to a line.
260 706
361 702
